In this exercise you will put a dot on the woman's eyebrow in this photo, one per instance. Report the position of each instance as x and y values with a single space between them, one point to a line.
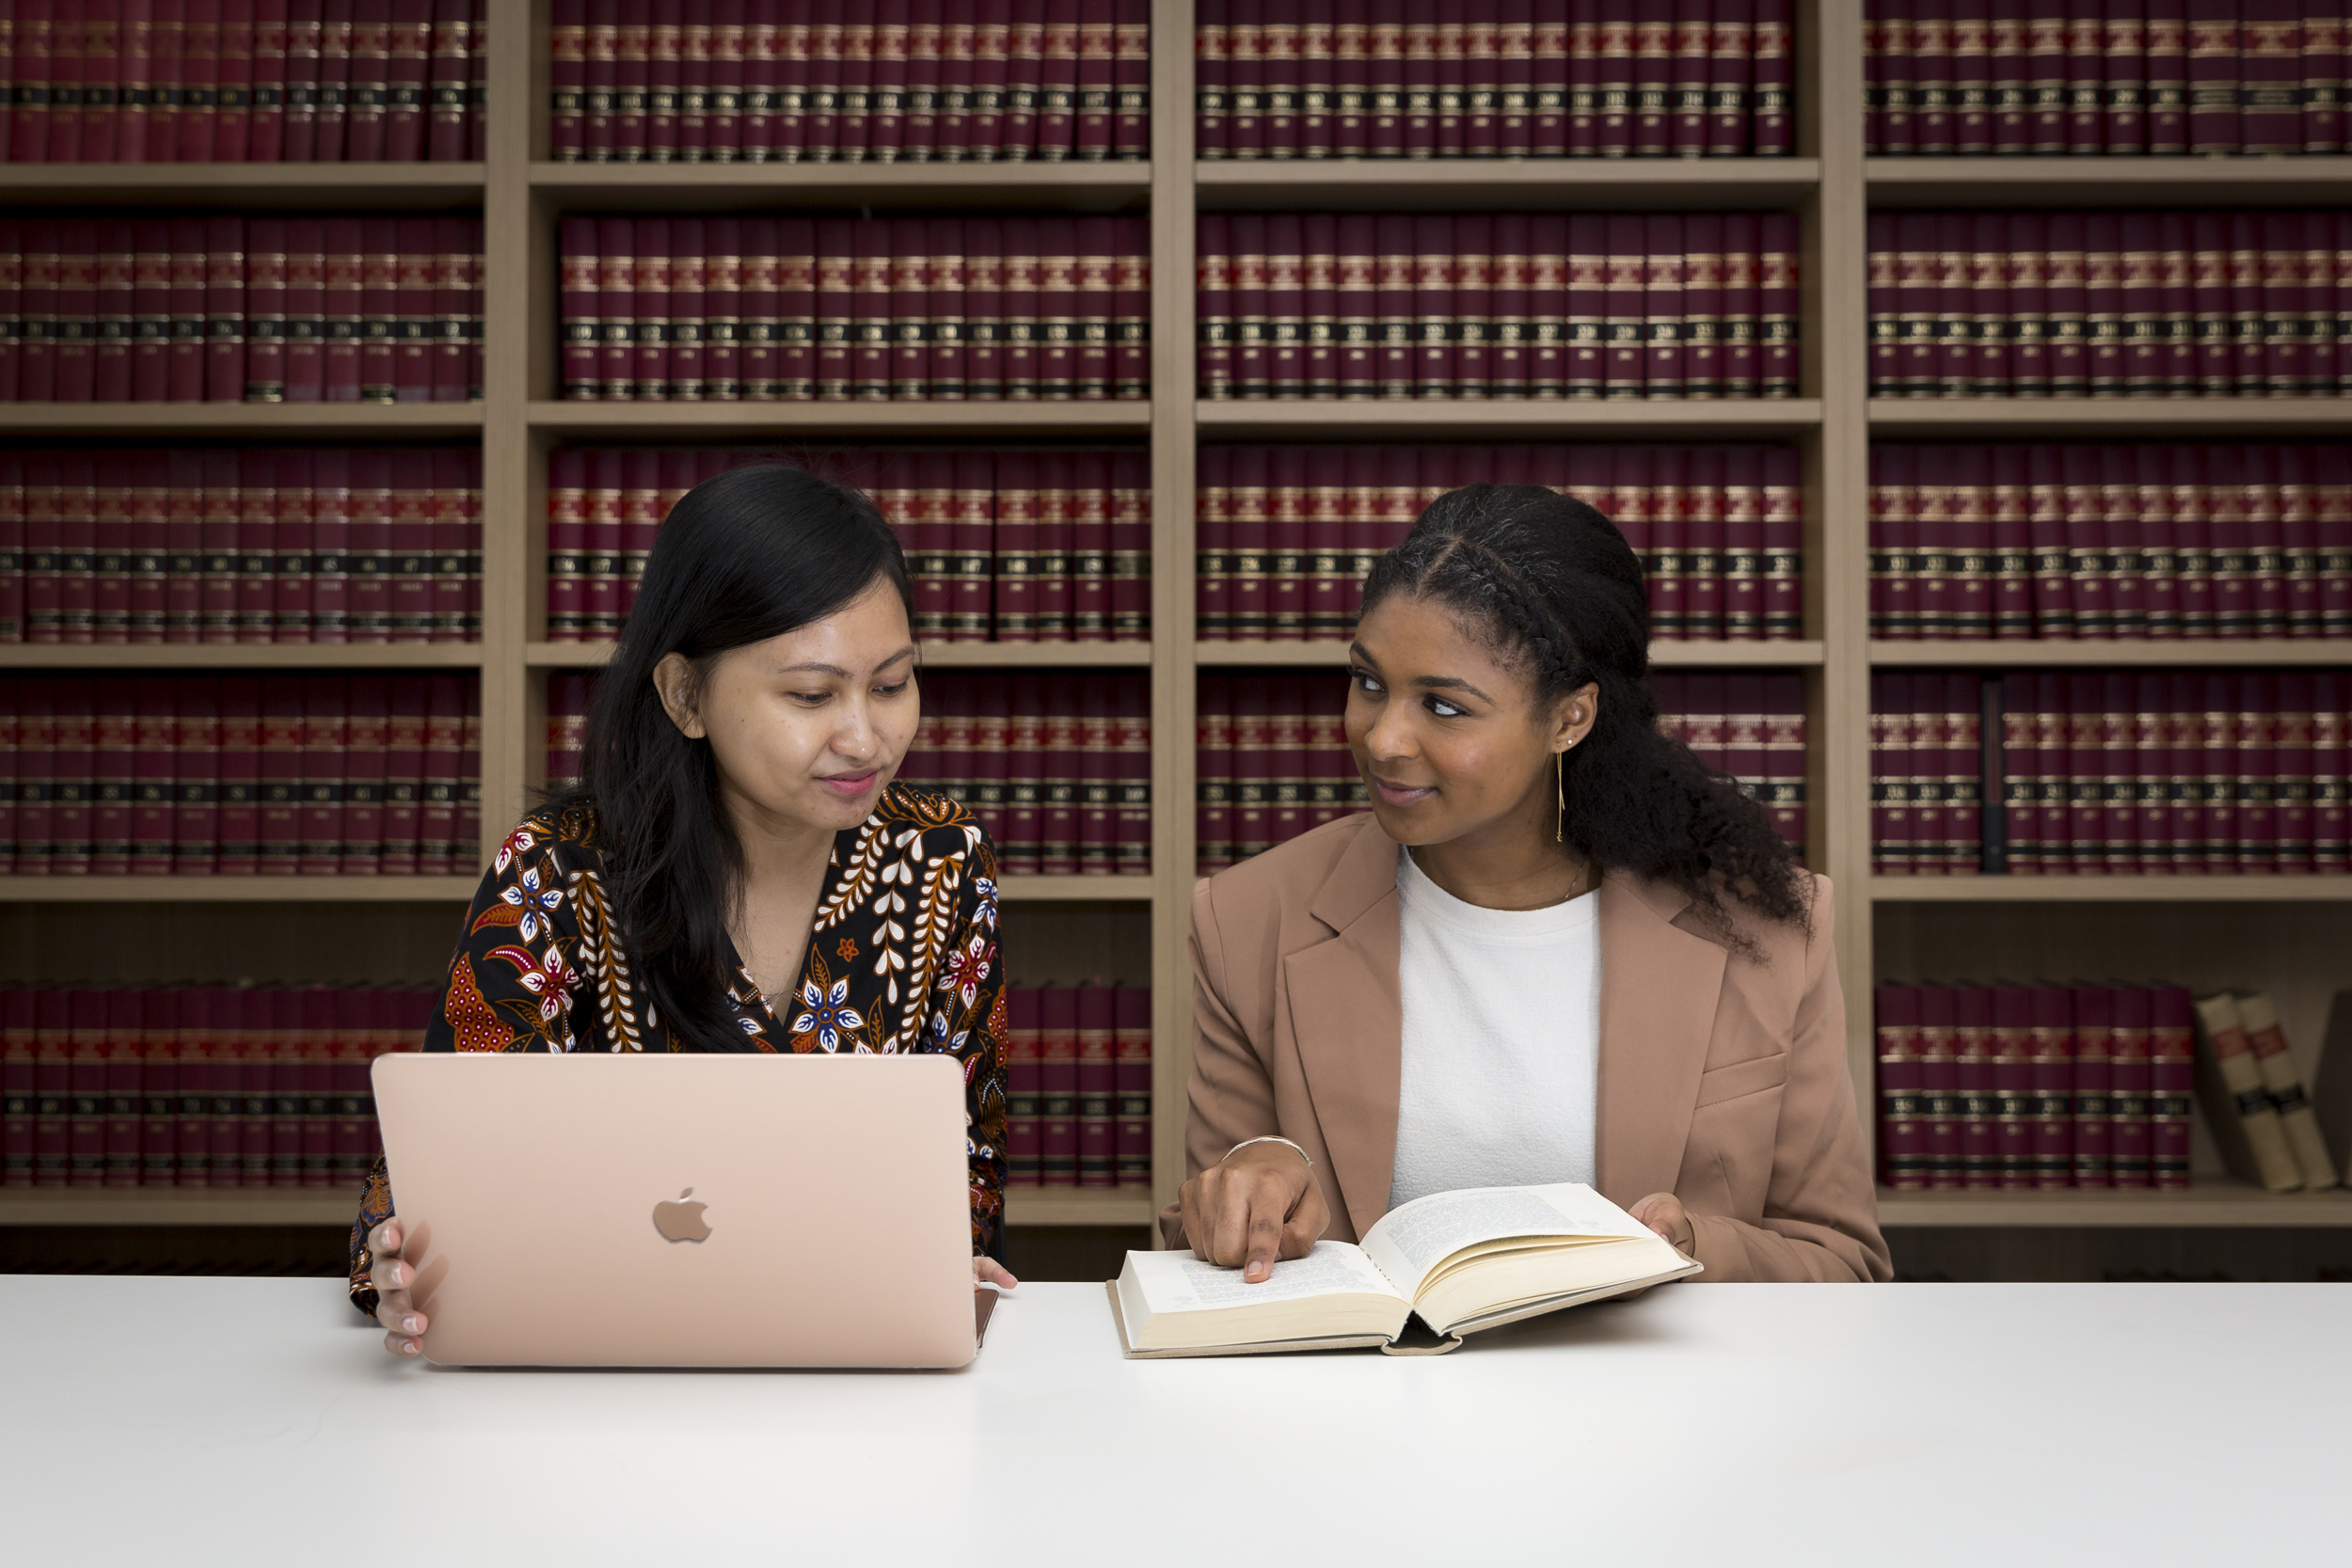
1449 683
815 668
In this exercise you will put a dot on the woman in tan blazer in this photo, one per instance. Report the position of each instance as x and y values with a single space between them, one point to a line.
1497 709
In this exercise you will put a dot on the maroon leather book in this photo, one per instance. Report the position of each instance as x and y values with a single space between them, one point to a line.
114 736
1662 305
38 311
200 79
331 136
305 27
478 85
279 774
403 773
440 825
2085 43
1625 259
1510 336
379 345
365 743
74 329
368 116
1472 304
2267 562
2102 304
2067 329
1613 68
1393 275
2164 77
252 565
370 553
288 606
1932 80
265 288
2214 49
1060 323
232 92
443 91
777 327
1384 78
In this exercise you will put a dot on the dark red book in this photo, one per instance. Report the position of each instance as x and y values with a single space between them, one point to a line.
1776 305
217 822
1904 1156
191 818
407 54
1614 66
232 92
286 573
266 91
1626 269
370 96
1772 93
286 333
2214 48
74 330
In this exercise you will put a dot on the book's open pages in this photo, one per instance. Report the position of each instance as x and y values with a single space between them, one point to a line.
1460 1261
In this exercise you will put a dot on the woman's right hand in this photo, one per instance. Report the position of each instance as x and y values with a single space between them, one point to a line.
391 1275
1256 1205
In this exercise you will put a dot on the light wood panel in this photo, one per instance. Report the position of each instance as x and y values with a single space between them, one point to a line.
2107 181
240 656
1504 419
935 655
244 187
2313 653
1662 656
1532 184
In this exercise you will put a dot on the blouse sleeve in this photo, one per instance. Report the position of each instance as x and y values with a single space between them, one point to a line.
509 988
968 1023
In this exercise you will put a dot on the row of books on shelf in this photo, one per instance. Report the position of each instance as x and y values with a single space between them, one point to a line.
1508 305
185 1085
1285 534
2026 1087
276 775
1281 79
244 81
941 309
260 546
236 309
2109 304
2040 1085
1273 759
1006 545
1077 1086
2111 772
2167 77
788 81
1058 768
2178 540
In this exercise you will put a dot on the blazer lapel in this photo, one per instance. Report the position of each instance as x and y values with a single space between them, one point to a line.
1347 1017
1658 989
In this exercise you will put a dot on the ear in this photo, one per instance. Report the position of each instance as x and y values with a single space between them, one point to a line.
676 683
1575 716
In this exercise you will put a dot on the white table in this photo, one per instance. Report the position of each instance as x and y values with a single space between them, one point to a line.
245 1421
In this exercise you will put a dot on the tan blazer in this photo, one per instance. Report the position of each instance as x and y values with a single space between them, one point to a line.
1722 1078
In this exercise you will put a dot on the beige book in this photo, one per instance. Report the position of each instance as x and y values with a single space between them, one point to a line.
1460 1262
2260 1019
2237 1103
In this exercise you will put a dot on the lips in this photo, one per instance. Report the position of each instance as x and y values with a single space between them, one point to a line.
1400 795
851 784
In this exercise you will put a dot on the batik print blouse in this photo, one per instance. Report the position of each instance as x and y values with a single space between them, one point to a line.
901 957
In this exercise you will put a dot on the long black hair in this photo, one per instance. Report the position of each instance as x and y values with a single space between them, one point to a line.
1552 581
749 555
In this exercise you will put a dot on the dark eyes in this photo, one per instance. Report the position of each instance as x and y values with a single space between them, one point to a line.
1369 684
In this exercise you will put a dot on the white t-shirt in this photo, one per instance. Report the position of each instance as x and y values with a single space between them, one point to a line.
1501 1041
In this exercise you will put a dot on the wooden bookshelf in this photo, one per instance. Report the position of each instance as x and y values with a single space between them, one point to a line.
2220 1202
935 655
2078 419
1662 656
260 422
2139 653
1508 184
240 656
2170 182
1830 185
244 187
2152 889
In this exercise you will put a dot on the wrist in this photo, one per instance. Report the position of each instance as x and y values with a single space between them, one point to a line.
1270 1138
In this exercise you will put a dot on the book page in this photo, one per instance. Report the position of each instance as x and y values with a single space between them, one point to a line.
1180 1282
1407 1243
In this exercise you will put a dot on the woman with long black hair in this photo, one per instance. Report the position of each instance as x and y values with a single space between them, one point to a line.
736 869
1559 948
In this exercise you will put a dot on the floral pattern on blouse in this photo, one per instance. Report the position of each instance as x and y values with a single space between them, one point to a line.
902 956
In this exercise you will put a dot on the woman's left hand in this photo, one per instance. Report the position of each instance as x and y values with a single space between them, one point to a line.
1663 1212
987 1271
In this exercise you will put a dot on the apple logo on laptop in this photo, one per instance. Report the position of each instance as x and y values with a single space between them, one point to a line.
680 1221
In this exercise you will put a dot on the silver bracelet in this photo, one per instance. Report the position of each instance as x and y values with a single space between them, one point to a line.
1270 1138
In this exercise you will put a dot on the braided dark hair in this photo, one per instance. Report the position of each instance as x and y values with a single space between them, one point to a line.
1553 583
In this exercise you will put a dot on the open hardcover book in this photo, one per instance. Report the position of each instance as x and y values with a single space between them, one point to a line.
1460 1262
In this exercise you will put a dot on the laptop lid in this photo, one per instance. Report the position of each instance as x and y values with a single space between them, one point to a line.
683 1210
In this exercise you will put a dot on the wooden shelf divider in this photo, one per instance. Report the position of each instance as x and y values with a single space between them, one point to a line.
1504 419
2065 418
2138 653
2152 889
1546 185
244 187
2215 1201
212 889
265 422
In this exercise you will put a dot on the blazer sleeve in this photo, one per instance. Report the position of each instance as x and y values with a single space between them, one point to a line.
1820 1210
1231 1096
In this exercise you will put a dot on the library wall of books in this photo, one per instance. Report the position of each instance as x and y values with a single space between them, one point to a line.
1974 381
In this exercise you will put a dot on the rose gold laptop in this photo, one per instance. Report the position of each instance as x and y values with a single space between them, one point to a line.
627 1211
